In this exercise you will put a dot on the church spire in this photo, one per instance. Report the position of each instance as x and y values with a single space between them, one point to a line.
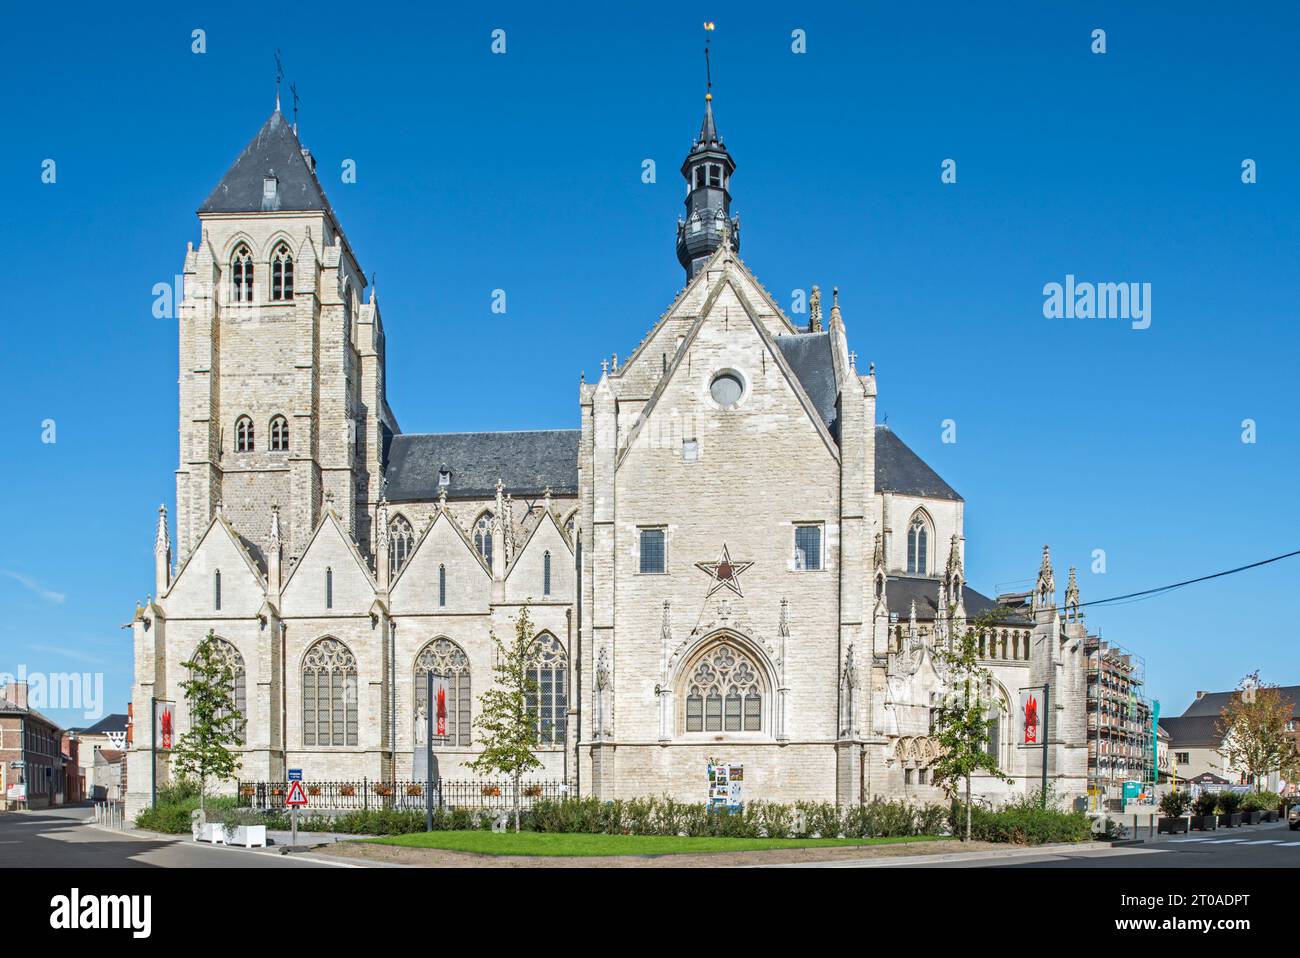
707 170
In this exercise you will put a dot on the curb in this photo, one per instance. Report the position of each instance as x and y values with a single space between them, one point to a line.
1025 851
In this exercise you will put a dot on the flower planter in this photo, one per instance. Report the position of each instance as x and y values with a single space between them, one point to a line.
1205 823
1271 815
1171 826
1252 817
209 832
1230 820
247 835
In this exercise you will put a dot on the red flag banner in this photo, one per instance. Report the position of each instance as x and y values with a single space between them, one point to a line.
1029 716
441 706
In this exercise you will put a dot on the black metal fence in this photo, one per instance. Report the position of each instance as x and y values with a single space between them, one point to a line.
370 793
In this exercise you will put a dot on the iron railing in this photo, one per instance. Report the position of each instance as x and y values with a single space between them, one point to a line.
375 794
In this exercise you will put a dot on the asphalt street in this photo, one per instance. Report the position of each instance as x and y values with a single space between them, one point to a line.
1272 845
61 838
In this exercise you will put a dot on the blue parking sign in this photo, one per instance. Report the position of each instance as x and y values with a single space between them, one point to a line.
295 775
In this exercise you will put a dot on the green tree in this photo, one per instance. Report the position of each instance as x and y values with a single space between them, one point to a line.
1253 729
507 720
961 722
216 725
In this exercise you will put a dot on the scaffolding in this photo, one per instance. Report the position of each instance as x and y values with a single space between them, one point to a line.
1120 737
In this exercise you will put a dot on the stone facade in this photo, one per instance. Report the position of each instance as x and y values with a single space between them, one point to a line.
810 561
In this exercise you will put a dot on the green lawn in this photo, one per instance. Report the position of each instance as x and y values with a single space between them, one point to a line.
559 844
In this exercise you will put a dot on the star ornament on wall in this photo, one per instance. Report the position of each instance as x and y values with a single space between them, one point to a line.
725 573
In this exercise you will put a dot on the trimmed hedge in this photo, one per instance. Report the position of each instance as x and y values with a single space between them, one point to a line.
175 803
1025 823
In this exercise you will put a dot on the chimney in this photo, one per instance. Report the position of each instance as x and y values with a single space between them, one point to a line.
16 693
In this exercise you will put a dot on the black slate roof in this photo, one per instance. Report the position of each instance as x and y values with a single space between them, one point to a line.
275 151
115 722
1213 703
525 462
1192 731
898 469
809 355
901 590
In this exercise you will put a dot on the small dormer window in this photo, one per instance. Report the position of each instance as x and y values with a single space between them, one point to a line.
268 187
444 478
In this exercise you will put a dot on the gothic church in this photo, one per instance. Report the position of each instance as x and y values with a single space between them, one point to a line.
728 559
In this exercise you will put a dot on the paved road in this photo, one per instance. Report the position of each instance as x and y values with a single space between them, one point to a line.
1253 846
60 838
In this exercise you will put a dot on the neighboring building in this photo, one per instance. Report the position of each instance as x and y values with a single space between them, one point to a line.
74 787
1198 746
33 768
110 733
730 558
1119 722
109 775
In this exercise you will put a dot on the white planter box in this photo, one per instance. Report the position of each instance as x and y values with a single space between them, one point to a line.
248 836
210 833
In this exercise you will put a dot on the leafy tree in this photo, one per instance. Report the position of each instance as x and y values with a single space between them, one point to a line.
216 725
1253 728
961 723
507 720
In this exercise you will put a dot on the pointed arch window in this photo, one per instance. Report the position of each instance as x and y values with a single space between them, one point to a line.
546 573
244 434
918 545
401 540
227 656
329 694
216 590
483 537
444 659
329 588
548 693
241 274
282 274
279 434
442 586
724 692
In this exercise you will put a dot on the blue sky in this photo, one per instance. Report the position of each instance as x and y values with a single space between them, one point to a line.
523 172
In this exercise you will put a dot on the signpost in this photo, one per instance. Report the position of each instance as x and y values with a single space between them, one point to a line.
295 799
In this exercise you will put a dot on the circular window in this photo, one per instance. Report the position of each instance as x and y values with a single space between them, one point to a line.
726 388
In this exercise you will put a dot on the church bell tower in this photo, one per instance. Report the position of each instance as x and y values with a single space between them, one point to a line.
707 171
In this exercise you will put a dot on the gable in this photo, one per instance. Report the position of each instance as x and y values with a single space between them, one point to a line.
469 585
353 590
643 369
194 590
526 578
728 336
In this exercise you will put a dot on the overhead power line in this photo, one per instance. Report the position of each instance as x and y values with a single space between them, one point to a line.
1160 590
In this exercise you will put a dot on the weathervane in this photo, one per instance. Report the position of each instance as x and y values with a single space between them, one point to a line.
708 76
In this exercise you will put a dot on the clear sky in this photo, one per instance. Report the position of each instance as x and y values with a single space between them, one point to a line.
522 171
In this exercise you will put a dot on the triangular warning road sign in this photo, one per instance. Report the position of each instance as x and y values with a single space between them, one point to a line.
296 795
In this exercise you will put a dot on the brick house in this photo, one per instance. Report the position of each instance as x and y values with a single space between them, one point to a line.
34 769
